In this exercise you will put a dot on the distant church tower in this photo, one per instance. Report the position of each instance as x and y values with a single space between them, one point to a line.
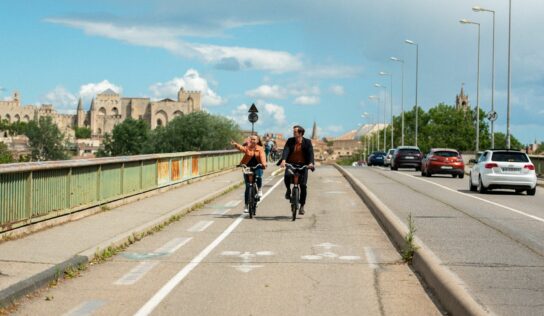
80 114
314 131
461 100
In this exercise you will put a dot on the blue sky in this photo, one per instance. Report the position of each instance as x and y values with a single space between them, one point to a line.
299 61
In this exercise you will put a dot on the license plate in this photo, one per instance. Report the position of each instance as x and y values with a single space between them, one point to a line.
447 167
511 169
409 157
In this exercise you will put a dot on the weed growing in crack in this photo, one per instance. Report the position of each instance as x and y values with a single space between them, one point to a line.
409 246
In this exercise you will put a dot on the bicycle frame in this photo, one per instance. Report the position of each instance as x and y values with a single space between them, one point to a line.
295 171
253 199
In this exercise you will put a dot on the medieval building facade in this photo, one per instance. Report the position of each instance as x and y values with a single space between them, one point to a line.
107 109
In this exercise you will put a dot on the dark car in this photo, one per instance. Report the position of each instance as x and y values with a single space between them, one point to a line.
406 157
443 161
377 158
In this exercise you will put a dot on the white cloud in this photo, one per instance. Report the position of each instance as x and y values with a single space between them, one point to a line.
223 57
267 92
277 112
61 99
337 89
191 80
306 100
90 90
304 90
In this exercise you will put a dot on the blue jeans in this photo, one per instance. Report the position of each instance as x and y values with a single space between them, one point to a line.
258 179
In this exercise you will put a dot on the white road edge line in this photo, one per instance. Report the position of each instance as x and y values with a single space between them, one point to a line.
477 198
150 305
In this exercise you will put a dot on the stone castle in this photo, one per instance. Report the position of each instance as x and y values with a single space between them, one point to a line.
107 109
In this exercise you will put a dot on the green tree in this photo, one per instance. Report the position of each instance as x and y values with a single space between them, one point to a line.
128 138
5 154
83 132
196 131
45 139
500 141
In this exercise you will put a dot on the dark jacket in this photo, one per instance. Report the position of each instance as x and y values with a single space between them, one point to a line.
307 150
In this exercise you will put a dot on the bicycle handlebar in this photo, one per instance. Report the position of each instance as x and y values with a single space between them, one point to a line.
245 166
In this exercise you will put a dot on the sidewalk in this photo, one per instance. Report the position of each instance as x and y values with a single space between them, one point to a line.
31 262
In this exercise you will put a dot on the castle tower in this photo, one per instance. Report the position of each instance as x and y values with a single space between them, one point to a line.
314 131
192 98
80 114
461 100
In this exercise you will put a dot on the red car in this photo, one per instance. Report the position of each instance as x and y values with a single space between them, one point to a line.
443 161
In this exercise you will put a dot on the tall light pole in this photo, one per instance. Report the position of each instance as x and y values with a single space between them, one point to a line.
377 85
377 98
509 77
382 73
366 116
417 70
401 99
465 21
493 115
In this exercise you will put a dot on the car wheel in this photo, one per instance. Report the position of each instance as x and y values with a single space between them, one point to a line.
531 191
453 175
394 168
471 186
429 174
481 187
418 168
461 175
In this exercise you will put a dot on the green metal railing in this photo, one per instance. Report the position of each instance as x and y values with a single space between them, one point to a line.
35 191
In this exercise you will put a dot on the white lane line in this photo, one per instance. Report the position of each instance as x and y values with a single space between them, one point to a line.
233 203
371 258
85 308
221 212
174 244
200 226
136 273
153 302
480 199
143 268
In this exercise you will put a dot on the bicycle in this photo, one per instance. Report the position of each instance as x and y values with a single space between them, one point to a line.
295 171
253 197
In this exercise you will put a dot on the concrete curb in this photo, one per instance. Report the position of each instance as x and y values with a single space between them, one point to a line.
35 282
448 288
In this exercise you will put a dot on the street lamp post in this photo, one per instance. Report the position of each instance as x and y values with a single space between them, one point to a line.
417 70
382 73
401 100
465 21
377 98
493 115
377 85
509 77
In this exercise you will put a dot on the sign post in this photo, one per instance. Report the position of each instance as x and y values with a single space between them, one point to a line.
253 117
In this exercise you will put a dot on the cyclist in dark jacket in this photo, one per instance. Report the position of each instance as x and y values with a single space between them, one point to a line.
299 151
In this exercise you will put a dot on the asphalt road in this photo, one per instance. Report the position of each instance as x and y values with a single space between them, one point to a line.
335 260
494 242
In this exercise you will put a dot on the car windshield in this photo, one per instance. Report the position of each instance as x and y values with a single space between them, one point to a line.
408 151
391 152
446 153
509 157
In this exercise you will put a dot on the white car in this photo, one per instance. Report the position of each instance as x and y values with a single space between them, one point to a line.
503 169
387 161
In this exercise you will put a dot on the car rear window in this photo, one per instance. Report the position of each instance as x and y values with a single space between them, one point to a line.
408 151
509 157
445 153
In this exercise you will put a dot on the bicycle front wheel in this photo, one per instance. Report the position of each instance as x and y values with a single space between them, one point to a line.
251 201
295 200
